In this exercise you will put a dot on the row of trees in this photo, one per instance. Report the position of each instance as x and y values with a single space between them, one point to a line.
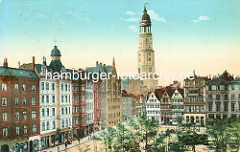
145 135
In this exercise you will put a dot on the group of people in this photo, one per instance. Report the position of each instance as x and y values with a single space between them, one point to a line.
66 142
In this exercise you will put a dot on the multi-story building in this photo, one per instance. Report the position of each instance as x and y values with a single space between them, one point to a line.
130 106
113 102
55 100
19 109
177 104
223 97
146 54
166 105
194 100
153 106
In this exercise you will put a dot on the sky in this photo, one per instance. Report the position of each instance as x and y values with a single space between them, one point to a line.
188 35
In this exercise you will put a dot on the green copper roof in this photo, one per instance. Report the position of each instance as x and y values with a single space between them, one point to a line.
12 72
145 15
55 52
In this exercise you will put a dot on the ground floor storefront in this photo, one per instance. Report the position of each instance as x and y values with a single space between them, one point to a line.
55 138
17 145
198 119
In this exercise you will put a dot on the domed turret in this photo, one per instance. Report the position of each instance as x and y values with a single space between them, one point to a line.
55 52
145 15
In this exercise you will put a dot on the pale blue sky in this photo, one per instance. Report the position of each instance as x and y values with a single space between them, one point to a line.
90 30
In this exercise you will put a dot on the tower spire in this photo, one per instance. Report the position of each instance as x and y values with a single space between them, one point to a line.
113 70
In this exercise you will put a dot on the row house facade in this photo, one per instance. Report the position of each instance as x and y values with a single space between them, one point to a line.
223 97
194 100
153 106
177 103
130 106
55 100
19 109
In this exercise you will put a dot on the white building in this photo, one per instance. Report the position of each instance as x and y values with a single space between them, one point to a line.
153 107
177 107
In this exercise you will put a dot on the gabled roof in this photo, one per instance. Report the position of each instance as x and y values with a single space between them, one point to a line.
13 72
226 76
181 91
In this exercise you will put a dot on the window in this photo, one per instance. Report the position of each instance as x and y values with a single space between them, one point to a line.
4 116
5 132
42 98
191 82
53 99
62 123
186 83
34 88
233 87
34 114
17 115
53 111
66 123
187 108
16 87
43 126
24 87
232 106
66 98
209 106
83 109
197 119
47 112
187 119
53 86
66 110
83 88
43 113
66 87
48 126
187 99
34 101
53 125
42 85
47 86
197 108
47 98
62 98
192 109
61 87
24 101
4 101
191 98
17 131
34 128
226 97
62 111
218 106
225 106
232 96
4 86
202 108
24 115
83 98
25 129
217 97
201 98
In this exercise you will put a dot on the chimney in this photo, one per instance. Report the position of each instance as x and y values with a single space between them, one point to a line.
5 64
33 63
19 64
44 60
100 63
104 64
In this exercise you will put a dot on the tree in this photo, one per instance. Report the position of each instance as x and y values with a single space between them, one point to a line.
108 137
233 132
95 139
147 128
216 128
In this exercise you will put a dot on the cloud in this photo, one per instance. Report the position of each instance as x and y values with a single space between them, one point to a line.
156 17
130 13
133 19
201 18
133 28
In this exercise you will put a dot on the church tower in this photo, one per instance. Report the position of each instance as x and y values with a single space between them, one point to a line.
146 55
